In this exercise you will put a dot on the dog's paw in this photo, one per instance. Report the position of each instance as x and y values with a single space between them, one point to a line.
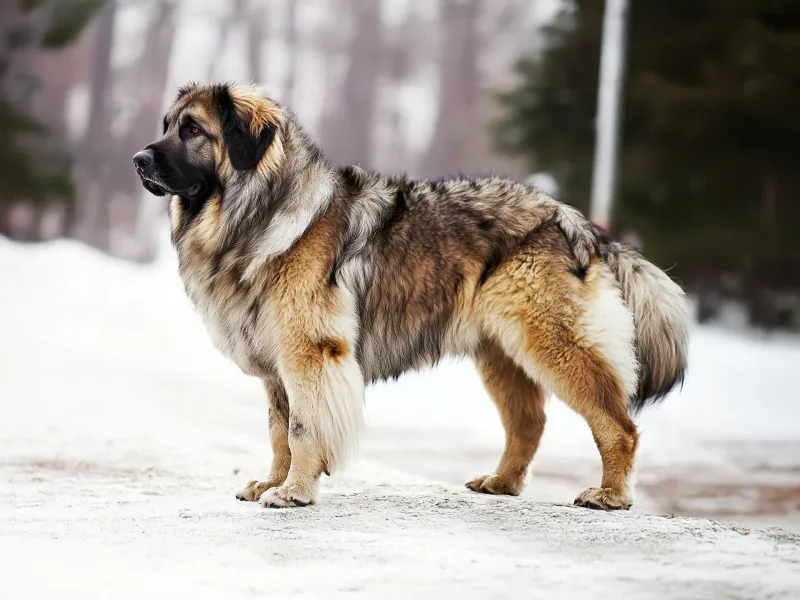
287 496
602 499
253 490
495 484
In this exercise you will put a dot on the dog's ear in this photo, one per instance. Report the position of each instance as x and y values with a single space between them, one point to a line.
245 130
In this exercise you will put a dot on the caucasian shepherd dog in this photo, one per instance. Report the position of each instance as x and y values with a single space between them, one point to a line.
320 279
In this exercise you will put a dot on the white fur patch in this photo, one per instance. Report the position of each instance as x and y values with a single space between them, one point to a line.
609 326
332 408
630 482
175 213
366 214
341 419
285 229
288 225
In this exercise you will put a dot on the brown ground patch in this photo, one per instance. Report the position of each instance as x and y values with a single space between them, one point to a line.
695 498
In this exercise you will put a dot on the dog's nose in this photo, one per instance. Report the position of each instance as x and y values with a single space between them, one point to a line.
143 158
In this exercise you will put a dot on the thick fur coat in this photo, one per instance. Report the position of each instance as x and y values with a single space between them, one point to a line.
320 280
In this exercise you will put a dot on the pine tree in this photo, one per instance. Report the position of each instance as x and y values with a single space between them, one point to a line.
710 136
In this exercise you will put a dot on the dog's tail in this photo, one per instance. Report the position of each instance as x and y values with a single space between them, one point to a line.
661 319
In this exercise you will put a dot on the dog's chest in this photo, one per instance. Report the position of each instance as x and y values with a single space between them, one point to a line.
235 313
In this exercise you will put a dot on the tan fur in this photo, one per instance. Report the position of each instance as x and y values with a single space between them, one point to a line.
205 234
520 403
175 215
533 307
250 102
279 440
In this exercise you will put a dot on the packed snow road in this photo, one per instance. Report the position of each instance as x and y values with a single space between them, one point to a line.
97 532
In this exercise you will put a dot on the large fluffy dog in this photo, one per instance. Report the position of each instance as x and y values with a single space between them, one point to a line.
318 280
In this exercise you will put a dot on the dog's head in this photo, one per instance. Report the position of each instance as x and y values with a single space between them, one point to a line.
211 133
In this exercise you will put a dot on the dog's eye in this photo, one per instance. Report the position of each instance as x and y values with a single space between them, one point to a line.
190 130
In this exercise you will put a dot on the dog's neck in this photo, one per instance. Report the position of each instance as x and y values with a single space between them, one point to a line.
287 202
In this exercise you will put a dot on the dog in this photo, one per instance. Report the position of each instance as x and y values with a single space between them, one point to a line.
320 280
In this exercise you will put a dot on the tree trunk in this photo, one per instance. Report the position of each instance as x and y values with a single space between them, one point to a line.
92 204
293 47
237 12
135 212
459 82
59 72
255 39
347 127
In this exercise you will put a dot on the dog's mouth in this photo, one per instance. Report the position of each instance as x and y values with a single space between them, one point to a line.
159 188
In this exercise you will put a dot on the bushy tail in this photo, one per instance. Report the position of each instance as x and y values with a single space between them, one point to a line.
661 315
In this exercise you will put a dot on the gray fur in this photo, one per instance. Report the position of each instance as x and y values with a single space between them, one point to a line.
661 316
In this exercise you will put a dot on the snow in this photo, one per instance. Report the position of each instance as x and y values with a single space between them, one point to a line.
124 437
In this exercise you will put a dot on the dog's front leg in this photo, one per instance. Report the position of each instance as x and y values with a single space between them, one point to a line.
326 404
279 440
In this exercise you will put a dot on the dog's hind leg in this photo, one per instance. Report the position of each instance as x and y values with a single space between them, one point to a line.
279 439
520 402
584 379
574 335
616 438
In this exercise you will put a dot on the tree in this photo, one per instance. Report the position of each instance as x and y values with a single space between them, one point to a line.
149 76
35 163
293 44
478 40
459 85
348 124
708 144
125 107
93 220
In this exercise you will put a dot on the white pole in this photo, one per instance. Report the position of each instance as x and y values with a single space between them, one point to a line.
607 123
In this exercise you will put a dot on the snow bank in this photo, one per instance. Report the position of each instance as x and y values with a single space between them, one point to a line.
125 435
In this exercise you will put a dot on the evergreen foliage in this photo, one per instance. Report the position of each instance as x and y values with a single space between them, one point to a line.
710 146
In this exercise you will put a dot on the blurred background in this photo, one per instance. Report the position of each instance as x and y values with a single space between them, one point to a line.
708 177
94 327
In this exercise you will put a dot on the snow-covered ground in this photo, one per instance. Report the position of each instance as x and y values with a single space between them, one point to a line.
124 436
